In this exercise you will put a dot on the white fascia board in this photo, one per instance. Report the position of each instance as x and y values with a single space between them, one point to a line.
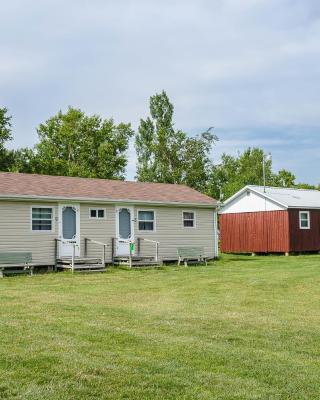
268 197
102 200
248 187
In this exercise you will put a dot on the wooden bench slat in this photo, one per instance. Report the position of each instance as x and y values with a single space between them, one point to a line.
15 257
191 253
16 263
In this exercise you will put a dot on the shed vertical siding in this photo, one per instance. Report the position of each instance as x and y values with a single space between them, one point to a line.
257 232
304 239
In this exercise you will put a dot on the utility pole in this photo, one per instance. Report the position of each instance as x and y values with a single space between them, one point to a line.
266 157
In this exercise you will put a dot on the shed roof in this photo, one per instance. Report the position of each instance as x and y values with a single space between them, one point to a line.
287 197
17 185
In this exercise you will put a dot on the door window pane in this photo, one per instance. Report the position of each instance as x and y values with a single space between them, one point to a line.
69 222
124 223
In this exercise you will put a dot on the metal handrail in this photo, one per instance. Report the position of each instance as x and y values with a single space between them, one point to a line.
130 241
104 245
74 244
96 242
149 240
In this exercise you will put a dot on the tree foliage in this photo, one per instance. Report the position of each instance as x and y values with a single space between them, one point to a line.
74 144
6 156
165 154
233 173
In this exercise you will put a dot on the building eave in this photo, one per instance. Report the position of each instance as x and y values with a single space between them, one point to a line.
105 201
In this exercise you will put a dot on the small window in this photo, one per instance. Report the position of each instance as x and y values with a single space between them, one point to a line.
304 217
188 219
41 219
97 213
146 220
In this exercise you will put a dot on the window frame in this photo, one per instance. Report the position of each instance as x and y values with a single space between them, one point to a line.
52 219
194 219
98 209
308 220
154 220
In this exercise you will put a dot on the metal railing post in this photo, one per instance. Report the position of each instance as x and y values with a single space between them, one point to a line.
55 254
138 246
85 247
103 255
73 256
130 255
112 250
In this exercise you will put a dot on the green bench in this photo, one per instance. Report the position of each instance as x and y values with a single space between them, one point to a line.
194 254
16 263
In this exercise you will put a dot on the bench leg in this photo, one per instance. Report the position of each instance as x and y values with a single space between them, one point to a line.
1 273
31 271
185 263
179 261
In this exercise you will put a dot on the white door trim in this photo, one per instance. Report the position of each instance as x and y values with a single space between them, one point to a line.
65 249
122 248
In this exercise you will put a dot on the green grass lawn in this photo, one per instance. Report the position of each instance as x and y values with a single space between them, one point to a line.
240 328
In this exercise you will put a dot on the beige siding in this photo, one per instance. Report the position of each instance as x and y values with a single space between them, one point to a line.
16 233
102 230
171 233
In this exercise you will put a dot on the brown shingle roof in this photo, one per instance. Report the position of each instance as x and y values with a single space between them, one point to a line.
30 185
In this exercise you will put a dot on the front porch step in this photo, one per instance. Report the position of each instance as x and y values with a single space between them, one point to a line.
134 258
87 271
83 267
79 260
136 261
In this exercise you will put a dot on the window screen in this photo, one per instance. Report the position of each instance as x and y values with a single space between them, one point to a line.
146 220
98 213
304 220
41 219
188 219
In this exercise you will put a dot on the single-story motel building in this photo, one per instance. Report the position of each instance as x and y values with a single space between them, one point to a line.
55 217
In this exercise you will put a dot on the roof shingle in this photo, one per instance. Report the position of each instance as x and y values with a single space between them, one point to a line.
45 186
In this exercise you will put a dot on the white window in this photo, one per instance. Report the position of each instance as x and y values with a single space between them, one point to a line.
304 219
189 220
97 213
41 219
146 220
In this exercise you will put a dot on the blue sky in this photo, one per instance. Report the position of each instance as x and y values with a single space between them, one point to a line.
250 68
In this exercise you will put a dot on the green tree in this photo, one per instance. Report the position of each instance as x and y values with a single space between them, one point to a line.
6 156
233 173
74 144
165 154
284 178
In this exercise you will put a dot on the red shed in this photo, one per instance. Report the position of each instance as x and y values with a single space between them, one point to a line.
271 220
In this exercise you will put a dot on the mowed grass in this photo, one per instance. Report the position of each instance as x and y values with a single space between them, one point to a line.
239 328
